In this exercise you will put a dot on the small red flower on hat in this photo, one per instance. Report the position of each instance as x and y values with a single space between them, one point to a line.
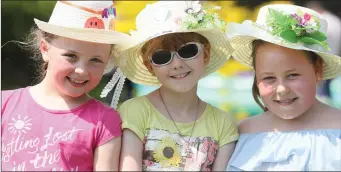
307 16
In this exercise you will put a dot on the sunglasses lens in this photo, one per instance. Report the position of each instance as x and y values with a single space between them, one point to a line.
188 51
161 57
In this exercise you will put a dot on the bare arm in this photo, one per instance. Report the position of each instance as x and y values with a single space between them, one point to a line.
107 155
223 157
131 153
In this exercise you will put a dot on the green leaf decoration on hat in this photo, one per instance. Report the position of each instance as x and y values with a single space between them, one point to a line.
289 35
204 18
298 27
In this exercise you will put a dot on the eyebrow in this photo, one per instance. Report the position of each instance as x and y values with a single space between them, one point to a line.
268 73
290 70
75 52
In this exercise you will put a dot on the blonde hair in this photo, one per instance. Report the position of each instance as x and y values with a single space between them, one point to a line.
33 46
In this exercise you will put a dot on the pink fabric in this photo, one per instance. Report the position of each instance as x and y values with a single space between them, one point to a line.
35 138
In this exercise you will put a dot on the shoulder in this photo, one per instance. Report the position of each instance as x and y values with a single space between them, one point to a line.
136 101
137 107
96 105
217 112
224 124
220 116
331 117
5 94
100 112
8 95
252 124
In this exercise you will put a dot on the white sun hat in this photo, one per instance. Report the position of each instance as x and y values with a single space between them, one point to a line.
92 21
165 17
289 26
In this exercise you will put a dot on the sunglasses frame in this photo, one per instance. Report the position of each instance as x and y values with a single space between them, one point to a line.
199 46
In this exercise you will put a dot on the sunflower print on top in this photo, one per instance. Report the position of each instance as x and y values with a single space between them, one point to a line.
168 151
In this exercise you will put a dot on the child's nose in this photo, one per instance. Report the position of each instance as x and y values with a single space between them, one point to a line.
80 69
282 89
177 62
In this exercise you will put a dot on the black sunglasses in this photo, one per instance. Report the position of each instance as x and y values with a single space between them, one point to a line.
187 51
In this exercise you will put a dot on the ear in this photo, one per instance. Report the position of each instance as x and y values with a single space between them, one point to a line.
319 69
44 47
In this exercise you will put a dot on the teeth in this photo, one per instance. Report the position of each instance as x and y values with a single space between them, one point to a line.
286 101
76 81
180 76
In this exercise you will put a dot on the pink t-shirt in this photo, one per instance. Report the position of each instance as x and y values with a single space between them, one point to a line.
36 138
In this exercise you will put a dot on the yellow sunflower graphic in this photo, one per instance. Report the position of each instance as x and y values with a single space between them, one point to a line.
167 153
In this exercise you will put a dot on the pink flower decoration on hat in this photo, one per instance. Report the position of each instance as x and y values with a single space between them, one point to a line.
307 16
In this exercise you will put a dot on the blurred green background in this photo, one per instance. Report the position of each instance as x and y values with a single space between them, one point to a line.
229 88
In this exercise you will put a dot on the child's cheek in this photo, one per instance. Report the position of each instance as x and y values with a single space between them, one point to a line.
264 89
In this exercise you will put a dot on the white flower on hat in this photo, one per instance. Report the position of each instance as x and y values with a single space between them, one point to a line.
313 23
193 7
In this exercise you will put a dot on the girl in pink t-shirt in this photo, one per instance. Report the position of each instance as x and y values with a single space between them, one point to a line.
55 125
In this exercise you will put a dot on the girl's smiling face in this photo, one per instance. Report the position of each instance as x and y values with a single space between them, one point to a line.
74 67
286 79
179 74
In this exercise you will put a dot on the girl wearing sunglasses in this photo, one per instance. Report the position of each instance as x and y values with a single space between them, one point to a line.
172 128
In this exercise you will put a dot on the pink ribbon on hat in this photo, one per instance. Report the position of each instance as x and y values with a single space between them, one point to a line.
82 8
104 12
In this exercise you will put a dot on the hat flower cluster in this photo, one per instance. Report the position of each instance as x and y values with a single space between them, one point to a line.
297 27
201 17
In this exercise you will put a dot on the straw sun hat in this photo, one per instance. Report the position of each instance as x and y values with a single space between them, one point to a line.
92 21
289 26
165 17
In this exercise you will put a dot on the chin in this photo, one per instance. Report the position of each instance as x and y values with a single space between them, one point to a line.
288 115
182 88
74 94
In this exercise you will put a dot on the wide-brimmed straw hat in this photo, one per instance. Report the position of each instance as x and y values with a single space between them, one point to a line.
165 17
289 26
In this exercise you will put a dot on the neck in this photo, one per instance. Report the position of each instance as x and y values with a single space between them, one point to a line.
180 103
312 112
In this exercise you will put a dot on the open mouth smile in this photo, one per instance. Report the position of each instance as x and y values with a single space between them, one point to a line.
286 102
181 76
76 82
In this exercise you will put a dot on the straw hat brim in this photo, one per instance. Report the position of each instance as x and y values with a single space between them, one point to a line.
137 72
243 35
86 34
121 40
